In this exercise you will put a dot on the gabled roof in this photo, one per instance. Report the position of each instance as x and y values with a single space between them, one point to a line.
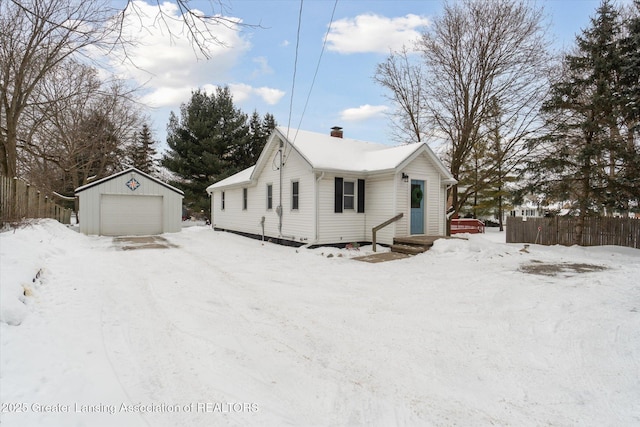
124 172
242 177
324 152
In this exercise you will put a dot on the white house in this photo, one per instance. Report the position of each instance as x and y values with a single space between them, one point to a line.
318 189
130 202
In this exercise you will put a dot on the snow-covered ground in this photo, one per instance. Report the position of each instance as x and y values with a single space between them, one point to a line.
225 330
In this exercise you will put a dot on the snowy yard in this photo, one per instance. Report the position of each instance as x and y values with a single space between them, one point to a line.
225 330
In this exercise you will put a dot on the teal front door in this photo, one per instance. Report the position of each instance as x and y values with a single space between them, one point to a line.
417 206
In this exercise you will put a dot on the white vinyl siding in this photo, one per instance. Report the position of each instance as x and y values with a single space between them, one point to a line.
297 224
90 202
421 168
380 207
344 227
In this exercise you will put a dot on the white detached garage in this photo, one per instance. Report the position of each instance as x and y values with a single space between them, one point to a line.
129 203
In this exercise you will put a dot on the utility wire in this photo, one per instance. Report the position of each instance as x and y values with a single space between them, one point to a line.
295 68
324 44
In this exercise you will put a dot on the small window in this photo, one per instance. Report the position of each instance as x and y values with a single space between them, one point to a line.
222 200
244 199
349 195
294 195
269 196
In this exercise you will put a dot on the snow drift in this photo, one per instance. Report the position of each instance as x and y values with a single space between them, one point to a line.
224 330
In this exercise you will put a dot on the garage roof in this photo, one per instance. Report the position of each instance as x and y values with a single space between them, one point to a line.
124 172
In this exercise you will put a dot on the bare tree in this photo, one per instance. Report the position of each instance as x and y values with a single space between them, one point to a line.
196 25
79 127
475 55
36 36
406 86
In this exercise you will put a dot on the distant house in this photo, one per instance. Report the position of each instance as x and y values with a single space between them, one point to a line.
129 203
319 189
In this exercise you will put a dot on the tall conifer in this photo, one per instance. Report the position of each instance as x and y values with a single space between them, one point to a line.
582 156
142 153
211 140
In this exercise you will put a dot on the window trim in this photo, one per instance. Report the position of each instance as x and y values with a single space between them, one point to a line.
269 197
245 197
359 185
351 195
295 195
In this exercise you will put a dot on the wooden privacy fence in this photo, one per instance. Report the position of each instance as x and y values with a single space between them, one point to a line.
19 200
596 231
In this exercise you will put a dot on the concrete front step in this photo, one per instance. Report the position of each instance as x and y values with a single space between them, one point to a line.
413 245
408 249
422 240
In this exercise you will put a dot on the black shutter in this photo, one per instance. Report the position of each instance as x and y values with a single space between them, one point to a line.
338 196
361 195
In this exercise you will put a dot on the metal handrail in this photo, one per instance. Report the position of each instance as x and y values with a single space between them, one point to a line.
375 229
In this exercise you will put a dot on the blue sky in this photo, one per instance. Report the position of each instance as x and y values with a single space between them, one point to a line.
257 63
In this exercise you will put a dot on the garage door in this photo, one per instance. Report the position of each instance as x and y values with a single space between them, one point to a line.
130 215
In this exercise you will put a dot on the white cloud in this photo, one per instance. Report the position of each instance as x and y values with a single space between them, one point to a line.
242 92
167 96
374 33
263 67
363 112
165 59
172 96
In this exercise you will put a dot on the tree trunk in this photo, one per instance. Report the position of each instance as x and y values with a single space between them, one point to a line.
500 213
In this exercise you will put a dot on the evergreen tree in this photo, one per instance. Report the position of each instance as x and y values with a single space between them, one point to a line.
582 155
503 156
259 131
211 140
142 152
629 177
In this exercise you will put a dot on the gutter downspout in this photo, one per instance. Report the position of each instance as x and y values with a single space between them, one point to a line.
318 206
279 208
448 215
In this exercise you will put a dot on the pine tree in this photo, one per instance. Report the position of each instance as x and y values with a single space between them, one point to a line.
503 156
211 140
581 155
142 152
259 131
629 176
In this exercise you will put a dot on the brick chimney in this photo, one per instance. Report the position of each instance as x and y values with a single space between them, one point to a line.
336 131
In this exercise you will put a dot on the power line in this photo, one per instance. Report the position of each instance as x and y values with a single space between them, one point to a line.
324 44
295 68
